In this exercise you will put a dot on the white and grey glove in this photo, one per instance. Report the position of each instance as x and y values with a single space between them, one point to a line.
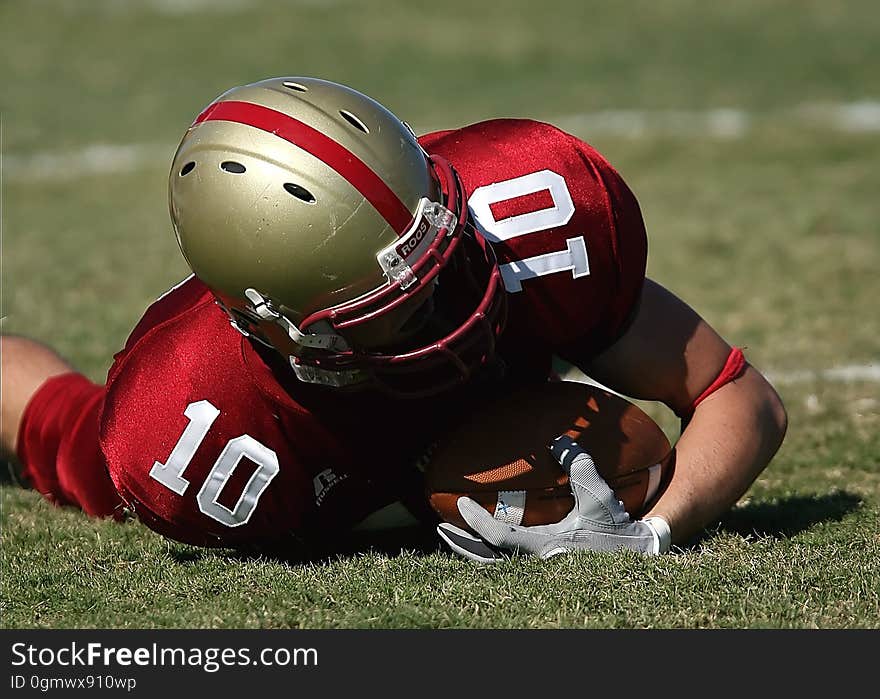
598 521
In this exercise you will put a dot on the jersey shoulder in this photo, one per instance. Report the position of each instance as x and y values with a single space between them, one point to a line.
194 448
490 132
566 229
500 149
179 300
206 445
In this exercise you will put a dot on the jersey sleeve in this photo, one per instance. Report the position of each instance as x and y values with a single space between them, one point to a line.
566 229
58 446
179 300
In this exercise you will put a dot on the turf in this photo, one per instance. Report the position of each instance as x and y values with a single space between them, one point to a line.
772 234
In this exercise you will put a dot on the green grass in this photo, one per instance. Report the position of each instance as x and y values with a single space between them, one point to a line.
773 236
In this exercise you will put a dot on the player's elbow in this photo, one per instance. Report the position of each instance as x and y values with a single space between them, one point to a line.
772 416
757 408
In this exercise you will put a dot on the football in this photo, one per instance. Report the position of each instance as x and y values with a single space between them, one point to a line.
500 457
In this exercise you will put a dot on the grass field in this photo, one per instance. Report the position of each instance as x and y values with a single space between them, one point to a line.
750 132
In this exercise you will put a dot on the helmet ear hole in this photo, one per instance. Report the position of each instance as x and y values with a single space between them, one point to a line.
300 192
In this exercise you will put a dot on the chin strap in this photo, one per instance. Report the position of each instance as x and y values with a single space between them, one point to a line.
263 308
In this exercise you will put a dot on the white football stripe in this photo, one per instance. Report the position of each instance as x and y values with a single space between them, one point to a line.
654 474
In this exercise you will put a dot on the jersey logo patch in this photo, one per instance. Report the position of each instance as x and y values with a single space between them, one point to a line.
324 482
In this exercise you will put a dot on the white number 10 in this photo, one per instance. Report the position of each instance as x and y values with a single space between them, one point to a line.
573 259
170 474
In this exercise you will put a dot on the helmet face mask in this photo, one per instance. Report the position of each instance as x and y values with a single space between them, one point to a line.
324 230
393 328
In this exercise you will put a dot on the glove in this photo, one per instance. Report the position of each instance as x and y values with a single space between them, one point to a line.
598 521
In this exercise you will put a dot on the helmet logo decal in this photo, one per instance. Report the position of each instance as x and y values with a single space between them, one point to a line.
431 218
333 154
406 248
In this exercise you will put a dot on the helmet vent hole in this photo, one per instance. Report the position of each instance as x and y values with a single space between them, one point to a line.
354 121
186 169
300 192
290 85
232 166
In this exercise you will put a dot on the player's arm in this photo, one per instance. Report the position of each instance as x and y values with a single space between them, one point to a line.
670 354
736 423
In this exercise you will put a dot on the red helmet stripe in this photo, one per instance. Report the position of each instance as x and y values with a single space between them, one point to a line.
333 154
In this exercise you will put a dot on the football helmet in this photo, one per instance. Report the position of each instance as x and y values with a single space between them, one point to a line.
325 231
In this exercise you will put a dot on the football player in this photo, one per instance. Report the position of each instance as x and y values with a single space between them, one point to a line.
353 285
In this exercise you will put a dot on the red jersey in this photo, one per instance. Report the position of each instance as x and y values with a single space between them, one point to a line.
211 440
566 229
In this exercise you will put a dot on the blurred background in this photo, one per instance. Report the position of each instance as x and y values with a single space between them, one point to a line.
750 132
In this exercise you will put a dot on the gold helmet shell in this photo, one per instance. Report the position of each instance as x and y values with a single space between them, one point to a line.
319 222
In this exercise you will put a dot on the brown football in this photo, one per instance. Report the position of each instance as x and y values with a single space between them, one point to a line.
499 454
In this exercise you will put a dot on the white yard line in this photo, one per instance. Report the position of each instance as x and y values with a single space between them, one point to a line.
850 117
176 8
848 373
94 159
638 123
182 7
862 116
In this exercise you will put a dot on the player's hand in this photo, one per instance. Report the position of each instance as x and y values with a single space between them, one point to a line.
598 521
